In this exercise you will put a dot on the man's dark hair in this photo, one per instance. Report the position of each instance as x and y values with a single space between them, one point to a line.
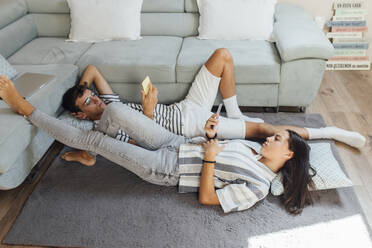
70 96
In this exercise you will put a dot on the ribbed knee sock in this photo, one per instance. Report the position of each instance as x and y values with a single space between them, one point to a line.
233 110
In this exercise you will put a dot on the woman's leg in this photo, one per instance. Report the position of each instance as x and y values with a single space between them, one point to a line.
158 167
143 130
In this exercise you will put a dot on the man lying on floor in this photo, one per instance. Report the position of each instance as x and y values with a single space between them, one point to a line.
189 116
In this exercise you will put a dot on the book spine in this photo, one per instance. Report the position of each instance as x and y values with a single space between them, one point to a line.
351 45
358 35
347 23
343 12
349 58
353 40
348 5
350 52
350 29
347 65
349 18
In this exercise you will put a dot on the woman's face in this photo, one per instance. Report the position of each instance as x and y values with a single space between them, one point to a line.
276 147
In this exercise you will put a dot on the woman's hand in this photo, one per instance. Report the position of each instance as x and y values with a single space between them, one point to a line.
212 148
149 101
208 128
10 95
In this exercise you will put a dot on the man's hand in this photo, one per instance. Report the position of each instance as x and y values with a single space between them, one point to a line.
212 148
80 115
208 128
149 101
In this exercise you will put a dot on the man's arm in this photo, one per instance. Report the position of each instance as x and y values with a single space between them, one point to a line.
92 75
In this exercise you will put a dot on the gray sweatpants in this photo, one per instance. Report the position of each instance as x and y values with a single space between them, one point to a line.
154 160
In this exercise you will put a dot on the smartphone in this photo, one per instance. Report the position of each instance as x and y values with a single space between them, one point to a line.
218 113
146 85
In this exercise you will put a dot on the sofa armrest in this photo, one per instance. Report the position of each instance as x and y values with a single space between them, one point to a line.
297 36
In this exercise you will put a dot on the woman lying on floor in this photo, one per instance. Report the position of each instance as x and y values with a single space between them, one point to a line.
241 174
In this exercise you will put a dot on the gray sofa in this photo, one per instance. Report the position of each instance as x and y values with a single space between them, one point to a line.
32 38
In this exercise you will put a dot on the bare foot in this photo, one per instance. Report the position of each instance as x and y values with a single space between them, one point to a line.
11 96
79 156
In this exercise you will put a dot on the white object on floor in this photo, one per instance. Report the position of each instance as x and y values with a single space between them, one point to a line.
105 20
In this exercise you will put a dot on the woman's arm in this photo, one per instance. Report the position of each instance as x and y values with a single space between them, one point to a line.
207 192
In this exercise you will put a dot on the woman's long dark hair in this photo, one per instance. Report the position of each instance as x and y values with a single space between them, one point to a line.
296 177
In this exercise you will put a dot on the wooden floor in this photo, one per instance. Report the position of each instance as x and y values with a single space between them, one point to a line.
344 100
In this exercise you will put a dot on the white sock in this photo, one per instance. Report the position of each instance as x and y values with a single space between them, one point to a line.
233 110
350 138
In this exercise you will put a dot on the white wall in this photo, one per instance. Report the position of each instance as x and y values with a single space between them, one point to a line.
324 8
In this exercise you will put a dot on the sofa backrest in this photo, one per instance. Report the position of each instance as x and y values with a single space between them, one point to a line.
23 20
16 27
159 17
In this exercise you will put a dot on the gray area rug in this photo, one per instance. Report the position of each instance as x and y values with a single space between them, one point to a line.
108 206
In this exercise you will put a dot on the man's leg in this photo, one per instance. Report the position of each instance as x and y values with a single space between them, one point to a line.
263 130
144 131
221 64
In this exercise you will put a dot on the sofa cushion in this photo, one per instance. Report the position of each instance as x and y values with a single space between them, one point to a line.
191 6
11 10
255 61
26 160
152 24
131 61
49 51
123 22
61 6
16 132
6 69
14 36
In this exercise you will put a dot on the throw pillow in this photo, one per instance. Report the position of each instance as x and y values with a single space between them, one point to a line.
236 19
105 20
329 174
6 69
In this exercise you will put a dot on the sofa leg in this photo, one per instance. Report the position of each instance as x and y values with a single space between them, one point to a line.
276 109
302 109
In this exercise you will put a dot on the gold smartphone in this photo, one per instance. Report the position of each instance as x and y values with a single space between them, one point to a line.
146 85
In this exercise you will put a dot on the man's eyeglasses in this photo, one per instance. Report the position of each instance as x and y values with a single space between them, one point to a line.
89 98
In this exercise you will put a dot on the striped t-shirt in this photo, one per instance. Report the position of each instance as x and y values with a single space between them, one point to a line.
240 178
168 117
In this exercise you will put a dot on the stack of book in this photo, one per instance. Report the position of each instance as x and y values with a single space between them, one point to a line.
348 29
